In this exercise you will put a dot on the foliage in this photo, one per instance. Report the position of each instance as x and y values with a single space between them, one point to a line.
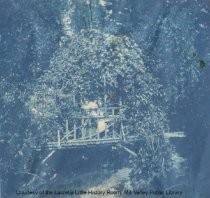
77 70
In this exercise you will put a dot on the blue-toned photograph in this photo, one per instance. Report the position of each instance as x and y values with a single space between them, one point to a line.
104 98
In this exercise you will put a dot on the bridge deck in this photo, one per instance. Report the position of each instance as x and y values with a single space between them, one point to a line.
88 142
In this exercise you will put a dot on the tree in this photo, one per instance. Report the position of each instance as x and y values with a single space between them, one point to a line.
77 72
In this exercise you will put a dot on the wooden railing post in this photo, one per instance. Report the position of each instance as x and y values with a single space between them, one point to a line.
90 129
82 128
122 132
59 139
75 131
67 129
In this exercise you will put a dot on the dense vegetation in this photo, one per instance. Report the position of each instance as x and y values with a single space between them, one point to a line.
159 49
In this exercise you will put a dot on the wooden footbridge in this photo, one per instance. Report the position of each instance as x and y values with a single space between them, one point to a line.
95 125
95 122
